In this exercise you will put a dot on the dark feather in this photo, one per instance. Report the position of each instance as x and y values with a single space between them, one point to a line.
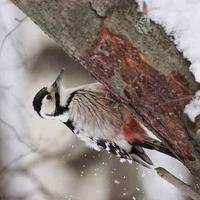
37 101
113 148
153 144
139 151
70 125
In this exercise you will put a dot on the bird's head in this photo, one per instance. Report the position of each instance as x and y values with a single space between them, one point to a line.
47 101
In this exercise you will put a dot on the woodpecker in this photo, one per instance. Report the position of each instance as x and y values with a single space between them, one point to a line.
98 119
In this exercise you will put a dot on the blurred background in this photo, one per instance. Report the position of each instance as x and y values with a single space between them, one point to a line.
43 160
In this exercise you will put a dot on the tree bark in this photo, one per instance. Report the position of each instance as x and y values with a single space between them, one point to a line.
132 56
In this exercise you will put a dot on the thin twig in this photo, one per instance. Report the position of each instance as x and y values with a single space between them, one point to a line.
17 135
179 184
48 194
10 33
17 159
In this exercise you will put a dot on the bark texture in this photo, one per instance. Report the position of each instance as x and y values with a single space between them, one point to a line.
132 56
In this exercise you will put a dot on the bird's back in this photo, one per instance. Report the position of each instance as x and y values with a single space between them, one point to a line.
97 114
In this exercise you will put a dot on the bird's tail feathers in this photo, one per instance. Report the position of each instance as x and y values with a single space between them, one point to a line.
139 155
138 160
153 144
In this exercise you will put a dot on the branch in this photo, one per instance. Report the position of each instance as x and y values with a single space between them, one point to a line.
17 135
6 167
185 188
20 21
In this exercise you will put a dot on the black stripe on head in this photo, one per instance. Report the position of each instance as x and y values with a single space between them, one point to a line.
57 97
37 101
70 99
61 109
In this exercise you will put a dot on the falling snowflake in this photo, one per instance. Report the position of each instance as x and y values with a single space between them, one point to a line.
116 182
138 189
82 172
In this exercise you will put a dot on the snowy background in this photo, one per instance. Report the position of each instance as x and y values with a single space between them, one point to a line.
41 159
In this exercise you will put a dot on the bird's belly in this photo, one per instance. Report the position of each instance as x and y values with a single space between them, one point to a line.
103 132
107 133
121 142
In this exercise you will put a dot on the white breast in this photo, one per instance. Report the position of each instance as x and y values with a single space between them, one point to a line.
94 118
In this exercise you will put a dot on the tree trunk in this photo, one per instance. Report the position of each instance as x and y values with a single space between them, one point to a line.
132 56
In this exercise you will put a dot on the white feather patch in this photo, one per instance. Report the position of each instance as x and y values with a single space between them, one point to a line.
89 142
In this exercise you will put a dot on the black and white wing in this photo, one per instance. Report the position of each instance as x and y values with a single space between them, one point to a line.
109 146
113 148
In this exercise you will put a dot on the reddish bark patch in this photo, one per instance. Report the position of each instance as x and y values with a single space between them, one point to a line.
158 99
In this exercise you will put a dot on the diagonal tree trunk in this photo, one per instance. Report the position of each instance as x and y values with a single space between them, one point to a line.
132 56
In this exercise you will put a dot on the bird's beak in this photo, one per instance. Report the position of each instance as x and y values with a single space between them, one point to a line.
57 83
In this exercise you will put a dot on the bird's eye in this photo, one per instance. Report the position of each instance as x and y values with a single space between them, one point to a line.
49 97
